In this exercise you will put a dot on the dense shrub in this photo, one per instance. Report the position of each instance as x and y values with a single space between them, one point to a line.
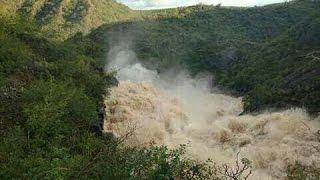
50 93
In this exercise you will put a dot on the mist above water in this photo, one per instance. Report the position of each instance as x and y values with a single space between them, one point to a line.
172 108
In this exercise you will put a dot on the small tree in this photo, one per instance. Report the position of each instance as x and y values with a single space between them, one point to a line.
242 169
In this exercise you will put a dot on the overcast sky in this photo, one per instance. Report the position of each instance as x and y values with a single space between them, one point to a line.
158 4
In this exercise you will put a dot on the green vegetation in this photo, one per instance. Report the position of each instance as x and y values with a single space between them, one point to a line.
269 55
300 172
60 19
51 88
50 93
262 53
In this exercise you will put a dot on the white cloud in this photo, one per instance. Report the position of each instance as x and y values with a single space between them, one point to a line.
158 4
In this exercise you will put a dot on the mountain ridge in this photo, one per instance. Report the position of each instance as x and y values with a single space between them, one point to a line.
246 49
63 18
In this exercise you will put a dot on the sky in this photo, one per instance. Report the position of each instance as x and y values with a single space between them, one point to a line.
159 4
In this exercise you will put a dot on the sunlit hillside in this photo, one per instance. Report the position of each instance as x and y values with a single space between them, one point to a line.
62 18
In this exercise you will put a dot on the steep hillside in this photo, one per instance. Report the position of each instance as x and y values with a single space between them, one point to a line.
268 54
62 18
50 99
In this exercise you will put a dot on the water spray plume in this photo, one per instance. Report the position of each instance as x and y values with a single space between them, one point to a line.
166 109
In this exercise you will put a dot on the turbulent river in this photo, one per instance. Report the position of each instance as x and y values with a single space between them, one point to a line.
172 109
